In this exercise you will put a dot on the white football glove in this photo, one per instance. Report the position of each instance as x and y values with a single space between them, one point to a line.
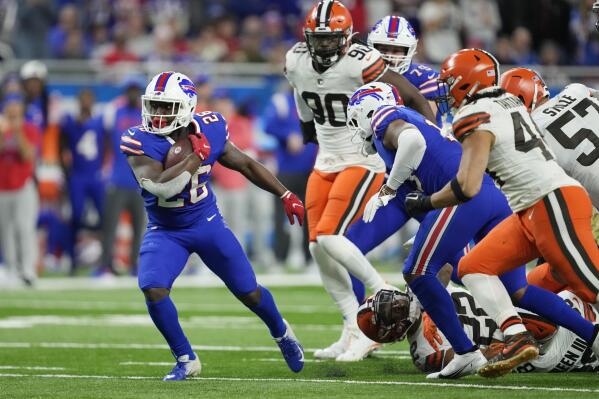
374 203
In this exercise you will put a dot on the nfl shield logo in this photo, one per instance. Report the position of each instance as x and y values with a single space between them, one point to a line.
319 82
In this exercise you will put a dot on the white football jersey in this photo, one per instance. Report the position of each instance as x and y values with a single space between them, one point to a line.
561 352
323 97
566 351
479 327
520 162
569 123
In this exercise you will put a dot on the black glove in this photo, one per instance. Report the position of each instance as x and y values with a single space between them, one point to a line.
417 202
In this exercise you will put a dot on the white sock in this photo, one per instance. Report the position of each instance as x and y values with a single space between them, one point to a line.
351 258
336 282
490 293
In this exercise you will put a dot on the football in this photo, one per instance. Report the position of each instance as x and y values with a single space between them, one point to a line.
177 153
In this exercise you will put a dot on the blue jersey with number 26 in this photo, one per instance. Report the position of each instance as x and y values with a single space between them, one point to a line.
197 200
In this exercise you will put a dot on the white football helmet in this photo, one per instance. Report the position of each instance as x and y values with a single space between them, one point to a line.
363 104
168 103
394 31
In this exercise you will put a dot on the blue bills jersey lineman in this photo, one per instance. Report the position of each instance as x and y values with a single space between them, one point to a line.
197 200
441 158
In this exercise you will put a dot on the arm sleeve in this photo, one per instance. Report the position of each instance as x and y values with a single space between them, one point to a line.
410 150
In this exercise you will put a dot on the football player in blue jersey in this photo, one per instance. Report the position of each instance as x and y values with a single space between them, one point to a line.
395 38
82 138
414 151
184 218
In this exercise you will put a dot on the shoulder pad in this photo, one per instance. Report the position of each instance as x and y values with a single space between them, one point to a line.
372 64
577 89
468 119
132 143
293 55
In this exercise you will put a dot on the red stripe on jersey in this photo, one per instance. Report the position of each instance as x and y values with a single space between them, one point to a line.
131 140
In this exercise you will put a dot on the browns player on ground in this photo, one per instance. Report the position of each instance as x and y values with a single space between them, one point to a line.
561 349
324 71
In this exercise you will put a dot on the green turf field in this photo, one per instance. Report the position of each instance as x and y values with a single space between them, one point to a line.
101 344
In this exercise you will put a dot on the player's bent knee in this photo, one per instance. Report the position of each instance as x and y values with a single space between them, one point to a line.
155 294
251 299
517 295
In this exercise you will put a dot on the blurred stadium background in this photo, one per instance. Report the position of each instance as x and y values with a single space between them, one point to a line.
90 59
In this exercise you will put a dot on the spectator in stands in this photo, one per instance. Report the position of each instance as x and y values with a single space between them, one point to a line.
68 23
140 41
481 23
441 23
208 46
82 154
294 164
550 57
582 26
122 193
33 21
205 91
250 43
523 54
33 76
120 51
231 186
504 51
19 204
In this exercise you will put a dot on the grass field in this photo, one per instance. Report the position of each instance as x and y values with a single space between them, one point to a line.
101 344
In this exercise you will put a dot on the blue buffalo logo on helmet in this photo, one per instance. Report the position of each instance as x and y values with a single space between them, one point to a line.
359 95
188 87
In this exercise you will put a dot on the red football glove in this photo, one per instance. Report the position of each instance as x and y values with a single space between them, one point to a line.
200 145
293 206
429 330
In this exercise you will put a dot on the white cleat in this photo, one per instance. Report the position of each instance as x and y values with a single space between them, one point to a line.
337 348
360 346
184 369
461 365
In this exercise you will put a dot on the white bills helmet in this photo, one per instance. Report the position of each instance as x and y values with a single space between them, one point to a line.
396 40
168 103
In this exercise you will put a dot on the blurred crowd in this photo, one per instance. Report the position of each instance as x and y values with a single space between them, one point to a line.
545 32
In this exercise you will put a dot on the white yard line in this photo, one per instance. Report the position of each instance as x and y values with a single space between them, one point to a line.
203 280
208 348
146 364
181 306
30 368
317 381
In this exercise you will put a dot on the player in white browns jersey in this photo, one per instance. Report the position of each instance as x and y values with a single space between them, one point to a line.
568 122
552 216
324 71
560 349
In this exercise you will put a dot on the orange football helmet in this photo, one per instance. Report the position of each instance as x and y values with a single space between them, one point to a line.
327 30
465 73
525 84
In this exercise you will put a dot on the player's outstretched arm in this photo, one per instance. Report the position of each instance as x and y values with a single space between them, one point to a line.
475 157
152 176
255 172
409 93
